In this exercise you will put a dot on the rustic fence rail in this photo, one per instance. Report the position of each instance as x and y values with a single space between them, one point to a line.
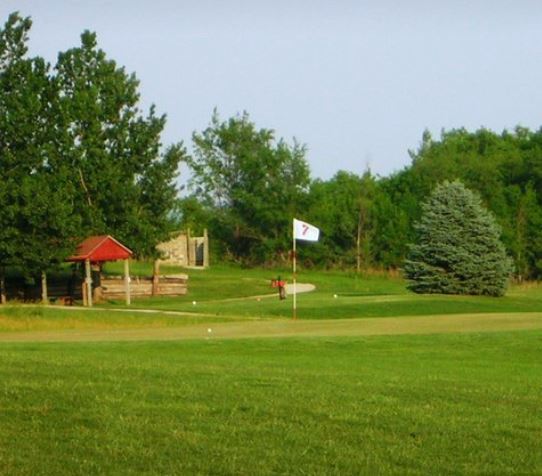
113 287
104 288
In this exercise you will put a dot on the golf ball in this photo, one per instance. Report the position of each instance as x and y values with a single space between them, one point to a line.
193 303
335 296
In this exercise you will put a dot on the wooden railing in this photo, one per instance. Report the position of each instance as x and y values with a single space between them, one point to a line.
113 287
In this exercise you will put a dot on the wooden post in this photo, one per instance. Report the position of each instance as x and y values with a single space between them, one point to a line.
155 277
189 251
84 293
358 248
127 281
97 292
88 283
205 249
44 296
361 225
3 298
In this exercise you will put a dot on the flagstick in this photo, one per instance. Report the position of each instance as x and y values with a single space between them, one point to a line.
295 284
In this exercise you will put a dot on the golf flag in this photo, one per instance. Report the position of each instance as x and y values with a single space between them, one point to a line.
305 231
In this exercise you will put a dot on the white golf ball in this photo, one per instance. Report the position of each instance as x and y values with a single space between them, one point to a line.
193 303
335 296
209 330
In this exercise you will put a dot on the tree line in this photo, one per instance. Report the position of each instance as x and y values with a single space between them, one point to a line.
79 157
247 186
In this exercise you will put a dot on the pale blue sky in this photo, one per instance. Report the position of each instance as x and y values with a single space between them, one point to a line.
357 81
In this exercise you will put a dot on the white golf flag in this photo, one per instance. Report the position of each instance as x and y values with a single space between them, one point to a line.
305 231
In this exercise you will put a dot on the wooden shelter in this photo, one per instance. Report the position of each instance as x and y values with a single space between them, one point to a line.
96 250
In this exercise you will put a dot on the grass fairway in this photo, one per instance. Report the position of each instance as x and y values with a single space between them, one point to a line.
437 404
234 293
374 381
229 299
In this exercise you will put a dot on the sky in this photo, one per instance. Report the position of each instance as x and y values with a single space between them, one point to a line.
356 81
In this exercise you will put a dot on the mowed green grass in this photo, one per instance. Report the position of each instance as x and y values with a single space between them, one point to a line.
438 404
322 305
227 294
37 318
434 404
236 293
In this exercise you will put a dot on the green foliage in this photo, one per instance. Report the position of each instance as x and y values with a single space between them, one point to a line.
76 155
368 221
458 248
343 209
393 210
38 223
192 214
254 184
505 169
124 186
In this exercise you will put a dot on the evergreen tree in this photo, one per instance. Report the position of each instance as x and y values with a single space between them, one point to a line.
458 250
505 169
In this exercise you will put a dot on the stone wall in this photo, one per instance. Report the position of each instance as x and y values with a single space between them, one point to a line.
185 250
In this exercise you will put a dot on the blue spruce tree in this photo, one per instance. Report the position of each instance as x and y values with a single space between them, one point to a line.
458 248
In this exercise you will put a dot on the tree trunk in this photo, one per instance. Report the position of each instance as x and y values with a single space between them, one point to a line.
44 295
205 249
155 277
358 247
3 298
127 282
358 240
520 240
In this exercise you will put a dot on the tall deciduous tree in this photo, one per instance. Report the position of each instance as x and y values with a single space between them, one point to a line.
37 216
124 185
342 207
458 250
13 38
255 184
76 156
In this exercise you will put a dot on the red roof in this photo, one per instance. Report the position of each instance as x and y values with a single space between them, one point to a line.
100 248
